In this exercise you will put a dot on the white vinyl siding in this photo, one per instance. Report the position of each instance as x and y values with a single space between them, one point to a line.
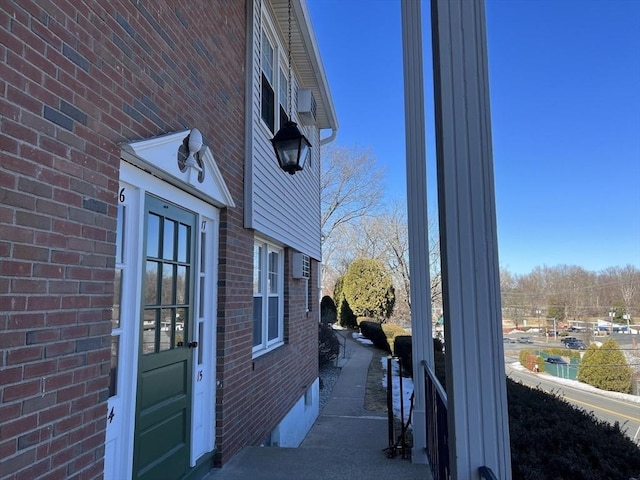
285 208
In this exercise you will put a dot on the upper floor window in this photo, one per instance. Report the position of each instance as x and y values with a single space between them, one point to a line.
268 296
268 81
274 82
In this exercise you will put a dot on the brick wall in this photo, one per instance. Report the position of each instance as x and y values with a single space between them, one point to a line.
77 79
255 395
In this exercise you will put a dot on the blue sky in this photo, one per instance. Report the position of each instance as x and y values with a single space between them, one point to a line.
565 104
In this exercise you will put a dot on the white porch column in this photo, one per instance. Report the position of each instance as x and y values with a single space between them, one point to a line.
417 215
476 387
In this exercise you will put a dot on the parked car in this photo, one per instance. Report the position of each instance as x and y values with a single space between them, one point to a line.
555 360
508 340
525 340
577 345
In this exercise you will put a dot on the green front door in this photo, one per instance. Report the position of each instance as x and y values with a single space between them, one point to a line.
163 408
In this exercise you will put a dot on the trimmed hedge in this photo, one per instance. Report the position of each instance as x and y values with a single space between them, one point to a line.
402 348
328 344
551 439
391 330
328 310
373 331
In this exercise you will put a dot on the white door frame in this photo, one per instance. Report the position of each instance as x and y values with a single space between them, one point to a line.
134 185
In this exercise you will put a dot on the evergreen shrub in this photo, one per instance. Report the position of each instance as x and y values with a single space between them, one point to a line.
373 331
368 288
328 310
347 318
551 439
402 348
328 344
391 330
606 368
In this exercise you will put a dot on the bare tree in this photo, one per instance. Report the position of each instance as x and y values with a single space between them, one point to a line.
351 187
628 280
570 292
386 237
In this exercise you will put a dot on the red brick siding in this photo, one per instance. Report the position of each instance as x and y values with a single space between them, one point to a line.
256 395
77 80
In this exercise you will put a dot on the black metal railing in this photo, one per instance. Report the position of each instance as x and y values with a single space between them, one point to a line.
487 474
436 422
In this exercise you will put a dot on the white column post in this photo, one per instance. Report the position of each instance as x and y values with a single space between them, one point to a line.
476 388
417 215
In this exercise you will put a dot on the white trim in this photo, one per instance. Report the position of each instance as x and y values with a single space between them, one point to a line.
203 397
119 442
280 63
119 460
159 155
267 345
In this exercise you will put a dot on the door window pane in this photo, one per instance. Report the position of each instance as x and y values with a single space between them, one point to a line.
203 251
113 373
168 284
117 298
200 342
149 325
120 234
180 333
166 328
153 235
181 284
183 243
201 299
151 283
168 239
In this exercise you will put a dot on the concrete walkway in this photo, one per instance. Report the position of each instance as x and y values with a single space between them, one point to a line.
347 442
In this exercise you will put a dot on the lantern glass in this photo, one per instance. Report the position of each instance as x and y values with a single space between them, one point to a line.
291 148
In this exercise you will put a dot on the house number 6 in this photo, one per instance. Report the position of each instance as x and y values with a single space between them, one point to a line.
121 196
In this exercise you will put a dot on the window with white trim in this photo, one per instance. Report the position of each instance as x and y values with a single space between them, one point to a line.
274 82
267 82
268 296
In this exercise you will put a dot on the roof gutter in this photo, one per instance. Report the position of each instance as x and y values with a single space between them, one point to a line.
330 138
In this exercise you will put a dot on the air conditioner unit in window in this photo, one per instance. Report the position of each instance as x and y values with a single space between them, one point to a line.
300 265
307 106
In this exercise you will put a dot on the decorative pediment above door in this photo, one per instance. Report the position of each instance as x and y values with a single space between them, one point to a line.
182 160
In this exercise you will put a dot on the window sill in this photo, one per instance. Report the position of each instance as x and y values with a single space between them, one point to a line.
264 351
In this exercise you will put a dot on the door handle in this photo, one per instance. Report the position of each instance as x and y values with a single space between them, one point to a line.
193 344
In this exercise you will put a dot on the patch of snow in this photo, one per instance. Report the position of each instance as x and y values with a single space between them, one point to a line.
361 339
407 388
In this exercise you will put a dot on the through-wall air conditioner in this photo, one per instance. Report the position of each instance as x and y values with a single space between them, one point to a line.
307 106
301 265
